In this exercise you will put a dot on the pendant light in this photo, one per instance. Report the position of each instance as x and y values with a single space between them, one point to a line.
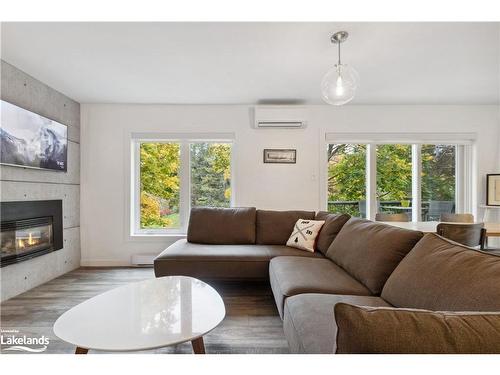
339 84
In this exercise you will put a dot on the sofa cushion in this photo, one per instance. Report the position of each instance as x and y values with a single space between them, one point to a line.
333 225
222 226
293 275
370 251
439 274
220 261
382 330
309 323
275 227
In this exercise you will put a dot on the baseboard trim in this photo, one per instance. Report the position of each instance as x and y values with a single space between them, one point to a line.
105 263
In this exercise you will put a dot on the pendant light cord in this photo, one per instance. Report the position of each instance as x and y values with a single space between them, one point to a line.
339 53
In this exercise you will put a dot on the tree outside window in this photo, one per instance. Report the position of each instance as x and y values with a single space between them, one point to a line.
160 180
347 179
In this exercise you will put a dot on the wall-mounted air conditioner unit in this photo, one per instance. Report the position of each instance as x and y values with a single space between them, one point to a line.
279 117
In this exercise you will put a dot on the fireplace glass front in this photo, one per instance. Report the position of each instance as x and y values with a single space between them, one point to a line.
23 238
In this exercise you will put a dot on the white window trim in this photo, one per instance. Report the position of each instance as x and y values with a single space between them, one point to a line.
416 183
371 180
465 179
402 138
184 139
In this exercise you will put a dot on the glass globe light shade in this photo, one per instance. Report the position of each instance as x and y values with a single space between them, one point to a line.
339 84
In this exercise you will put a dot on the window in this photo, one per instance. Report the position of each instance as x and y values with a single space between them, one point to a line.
394 171
422 180
170 177
210 174
347 179
438 181
159 185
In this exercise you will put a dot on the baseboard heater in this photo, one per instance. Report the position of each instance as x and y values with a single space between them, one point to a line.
143 260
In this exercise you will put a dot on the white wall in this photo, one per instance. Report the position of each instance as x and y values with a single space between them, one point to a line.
105 134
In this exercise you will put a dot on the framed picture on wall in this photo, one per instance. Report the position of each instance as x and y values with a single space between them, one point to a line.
280 156
493 189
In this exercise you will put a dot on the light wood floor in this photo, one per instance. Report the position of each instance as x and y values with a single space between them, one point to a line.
252 323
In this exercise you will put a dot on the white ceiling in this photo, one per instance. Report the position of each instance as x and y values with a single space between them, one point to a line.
219 63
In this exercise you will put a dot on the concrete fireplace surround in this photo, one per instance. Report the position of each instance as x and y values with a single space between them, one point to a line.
22 184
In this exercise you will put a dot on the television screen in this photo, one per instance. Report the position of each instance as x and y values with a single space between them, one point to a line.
30 140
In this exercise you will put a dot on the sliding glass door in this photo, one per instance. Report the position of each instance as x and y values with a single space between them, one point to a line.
394 183
419 180
438 181
347 179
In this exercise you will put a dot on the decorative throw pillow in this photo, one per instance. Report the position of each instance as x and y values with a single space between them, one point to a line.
304 234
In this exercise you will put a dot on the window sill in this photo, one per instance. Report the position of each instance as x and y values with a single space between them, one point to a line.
156 236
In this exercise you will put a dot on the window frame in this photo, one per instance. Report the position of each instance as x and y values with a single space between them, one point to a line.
464 166
184 140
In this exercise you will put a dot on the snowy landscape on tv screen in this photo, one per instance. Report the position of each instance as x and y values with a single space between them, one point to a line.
30 140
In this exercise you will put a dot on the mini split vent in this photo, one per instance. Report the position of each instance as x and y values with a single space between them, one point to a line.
280 124
279 117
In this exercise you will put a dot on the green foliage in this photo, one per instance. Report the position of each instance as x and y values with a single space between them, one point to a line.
438 172
160 163
210 174
150 212
160 180
347 174
393 172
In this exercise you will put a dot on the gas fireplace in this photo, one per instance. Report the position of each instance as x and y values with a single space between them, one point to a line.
29 229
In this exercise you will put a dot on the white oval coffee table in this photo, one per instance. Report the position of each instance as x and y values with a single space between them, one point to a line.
144 315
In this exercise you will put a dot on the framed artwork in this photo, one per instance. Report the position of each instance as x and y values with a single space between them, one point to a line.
30 140
280 156
493 189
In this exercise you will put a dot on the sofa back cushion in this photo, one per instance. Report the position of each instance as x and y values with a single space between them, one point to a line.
222 226
385 330
439 274
370 251
333 225
275 227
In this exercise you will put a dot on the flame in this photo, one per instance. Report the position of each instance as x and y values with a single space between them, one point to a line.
30 240
23 242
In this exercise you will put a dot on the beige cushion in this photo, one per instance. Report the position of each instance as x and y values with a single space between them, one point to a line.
274 227
333 225
385 330
370 251
304 234
224 226
439 274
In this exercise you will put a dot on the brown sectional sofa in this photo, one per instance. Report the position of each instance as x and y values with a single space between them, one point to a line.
375 275
246 240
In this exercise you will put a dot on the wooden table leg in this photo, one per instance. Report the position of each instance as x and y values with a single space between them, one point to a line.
79 350
198 346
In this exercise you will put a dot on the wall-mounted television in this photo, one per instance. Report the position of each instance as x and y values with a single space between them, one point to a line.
30 140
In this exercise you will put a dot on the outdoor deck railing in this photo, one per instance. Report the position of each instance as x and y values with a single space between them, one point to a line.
430 209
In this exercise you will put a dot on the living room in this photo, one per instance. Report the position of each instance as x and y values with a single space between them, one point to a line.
208 187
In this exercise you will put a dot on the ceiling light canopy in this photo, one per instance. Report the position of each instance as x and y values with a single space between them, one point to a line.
339 84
